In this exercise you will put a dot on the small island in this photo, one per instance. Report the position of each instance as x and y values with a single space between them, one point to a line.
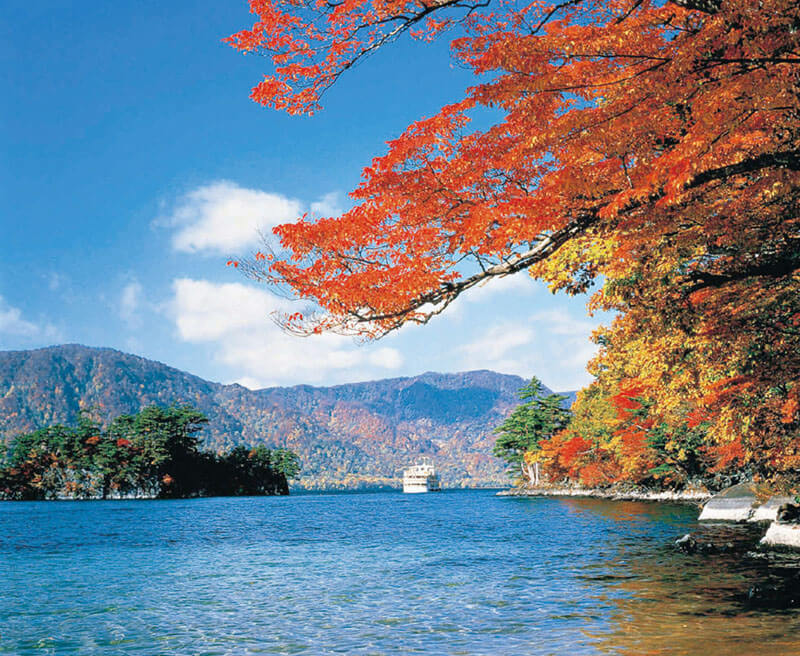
149 455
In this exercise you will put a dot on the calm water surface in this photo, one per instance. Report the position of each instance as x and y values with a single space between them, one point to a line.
462 572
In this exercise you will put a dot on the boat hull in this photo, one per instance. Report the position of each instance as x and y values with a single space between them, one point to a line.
421 478
420 489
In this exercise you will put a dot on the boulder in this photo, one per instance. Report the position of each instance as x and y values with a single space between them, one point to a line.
788 513
733 504
781 594
768 512
687 544
782 535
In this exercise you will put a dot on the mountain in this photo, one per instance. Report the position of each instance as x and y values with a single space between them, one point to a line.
346 436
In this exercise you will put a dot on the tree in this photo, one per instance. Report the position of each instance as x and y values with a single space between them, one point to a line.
651 146
538 419
257 470
285 462
153 453
624 120
168 443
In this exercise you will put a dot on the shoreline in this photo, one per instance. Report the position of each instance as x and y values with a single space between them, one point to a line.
734 505
692 497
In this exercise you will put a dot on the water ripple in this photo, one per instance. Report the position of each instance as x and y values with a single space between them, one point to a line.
452 573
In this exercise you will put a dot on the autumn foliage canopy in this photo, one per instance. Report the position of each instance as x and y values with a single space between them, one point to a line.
648 148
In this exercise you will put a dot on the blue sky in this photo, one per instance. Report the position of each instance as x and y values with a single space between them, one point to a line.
133 164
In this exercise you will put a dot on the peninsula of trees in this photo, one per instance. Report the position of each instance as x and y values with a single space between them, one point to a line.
152 454
649 147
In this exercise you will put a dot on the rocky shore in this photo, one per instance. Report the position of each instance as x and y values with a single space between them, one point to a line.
736 504
736 529
692 496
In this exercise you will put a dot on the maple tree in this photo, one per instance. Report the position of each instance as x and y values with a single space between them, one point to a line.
649 146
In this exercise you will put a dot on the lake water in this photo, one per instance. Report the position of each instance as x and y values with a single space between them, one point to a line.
461 572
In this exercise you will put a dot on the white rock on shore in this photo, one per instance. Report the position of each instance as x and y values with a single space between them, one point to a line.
734 504
782 535
769 511
617 495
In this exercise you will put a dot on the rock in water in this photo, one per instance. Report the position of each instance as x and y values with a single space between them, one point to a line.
775 594
788 513
780 534
687 544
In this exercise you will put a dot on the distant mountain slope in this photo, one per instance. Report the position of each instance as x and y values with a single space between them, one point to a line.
347 435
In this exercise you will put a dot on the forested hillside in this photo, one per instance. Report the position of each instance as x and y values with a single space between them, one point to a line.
346 436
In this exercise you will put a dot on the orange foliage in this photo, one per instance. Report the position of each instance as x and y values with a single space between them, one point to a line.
572 452
727 455
652 145
789 410
594 475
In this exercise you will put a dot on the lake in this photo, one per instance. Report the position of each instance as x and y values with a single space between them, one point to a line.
461 572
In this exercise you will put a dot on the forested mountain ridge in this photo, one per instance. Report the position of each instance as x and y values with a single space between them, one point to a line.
346 435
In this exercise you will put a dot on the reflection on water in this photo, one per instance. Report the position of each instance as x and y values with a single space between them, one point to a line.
731 598
453 573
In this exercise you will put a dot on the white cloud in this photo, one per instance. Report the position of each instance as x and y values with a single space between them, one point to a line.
498 341
249 382
130 302
12 323
16 330
388 358
223 217
518 284
234 319
329 205
552 344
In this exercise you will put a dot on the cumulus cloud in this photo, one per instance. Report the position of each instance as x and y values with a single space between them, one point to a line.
225 218
329 205
517 284
130 302
552 345
388 358
234 320
12 323
496 342
16 330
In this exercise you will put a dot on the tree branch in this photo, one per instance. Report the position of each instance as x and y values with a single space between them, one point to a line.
547 245
706 6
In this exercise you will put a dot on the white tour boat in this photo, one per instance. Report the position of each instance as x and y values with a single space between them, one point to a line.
421 478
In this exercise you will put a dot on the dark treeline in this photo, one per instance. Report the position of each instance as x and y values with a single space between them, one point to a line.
154 453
